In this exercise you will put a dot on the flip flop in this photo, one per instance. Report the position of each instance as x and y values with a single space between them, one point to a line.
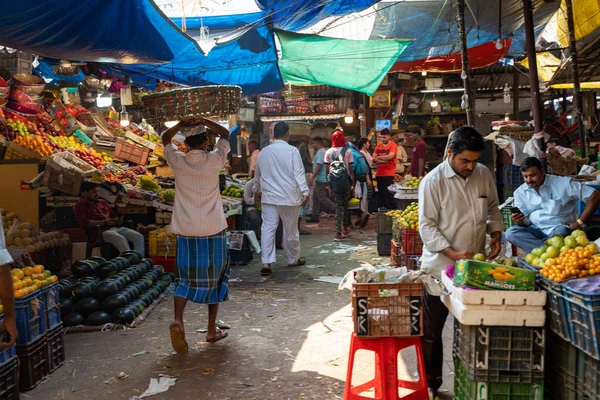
265 271
301 261
221 334
223 325
178 338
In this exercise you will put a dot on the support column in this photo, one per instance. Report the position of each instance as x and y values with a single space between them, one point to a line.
577 100
515 93
536 101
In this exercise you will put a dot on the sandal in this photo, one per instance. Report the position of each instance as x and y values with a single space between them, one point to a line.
178 338
301 261
221 334
265 271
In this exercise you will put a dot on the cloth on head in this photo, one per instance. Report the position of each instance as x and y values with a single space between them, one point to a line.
338 139
193 130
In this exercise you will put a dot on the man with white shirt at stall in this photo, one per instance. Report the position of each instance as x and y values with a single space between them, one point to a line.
280 187
458 205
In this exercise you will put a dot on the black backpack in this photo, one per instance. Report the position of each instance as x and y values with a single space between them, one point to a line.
338 174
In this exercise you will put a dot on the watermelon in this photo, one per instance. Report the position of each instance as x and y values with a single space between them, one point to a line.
111 303
98 318
105 289
66 305
98 260
81 269
132 256
73 319
106 269
87 306
124 315
80 291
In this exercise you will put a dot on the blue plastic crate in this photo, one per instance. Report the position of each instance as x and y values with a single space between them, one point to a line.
591 301
513 176
51 306
584 327
8 354
556 311
31 317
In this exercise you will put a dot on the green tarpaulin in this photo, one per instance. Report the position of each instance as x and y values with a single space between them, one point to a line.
358 65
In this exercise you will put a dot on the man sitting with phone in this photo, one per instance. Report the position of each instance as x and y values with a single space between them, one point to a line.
546 205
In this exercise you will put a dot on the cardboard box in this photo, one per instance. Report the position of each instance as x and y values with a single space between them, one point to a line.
485 275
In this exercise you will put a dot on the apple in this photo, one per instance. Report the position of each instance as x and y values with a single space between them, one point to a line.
582 240
577 233
564 248
556 241
537 251
529 258
570 242
544 257
592 246
535 262
479 257
552 252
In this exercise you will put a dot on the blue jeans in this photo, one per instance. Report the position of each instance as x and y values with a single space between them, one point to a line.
530 237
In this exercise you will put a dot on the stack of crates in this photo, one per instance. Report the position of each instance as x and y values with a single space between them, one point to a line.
9 373
498 362
383 227
512 180
18 62
40 342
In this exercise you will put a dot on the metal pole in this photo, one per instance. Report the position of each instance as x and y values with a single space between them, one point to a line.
515 93
465 62
577 101
536 102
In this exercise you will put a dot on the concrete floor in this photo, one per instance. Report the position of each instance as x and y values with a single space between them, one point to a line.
290 338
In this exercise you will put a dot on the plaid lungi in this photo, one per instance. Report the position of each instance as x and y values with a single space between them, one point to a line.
202 273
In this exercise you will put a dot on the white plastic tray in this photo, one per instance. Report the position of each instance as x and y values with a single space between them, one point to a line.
494 297
500 315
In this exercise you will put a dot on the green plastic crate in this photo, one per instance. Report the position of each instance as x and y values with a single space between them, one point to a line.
467 389
507 218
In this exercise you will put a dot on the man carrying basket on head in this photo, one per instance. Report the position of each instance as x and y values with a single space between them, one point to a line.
202 272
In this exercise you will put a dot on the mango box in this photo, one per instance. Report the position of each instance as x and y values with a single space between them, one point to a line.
485 275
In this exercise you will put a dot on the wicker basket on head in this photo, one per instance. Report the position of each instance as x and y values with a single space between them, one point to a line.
199 101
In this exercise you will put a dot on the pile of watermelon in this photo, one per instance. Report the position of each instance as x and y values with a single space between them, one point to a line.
115 291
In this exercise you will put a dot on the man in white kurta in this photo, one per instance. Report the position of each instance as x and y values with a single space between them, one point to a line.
280 183
458 205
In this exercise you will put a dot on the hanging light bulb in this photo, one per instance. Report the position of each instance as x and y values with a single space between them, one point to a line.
506 93
499 44
170 124
434 102
507 117
349 118
424 73
104 100
463 75
124 121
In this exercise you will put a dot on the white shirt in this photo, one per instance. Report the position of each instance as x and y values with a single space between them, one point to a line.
249 194
5 257
333 154
280 175
555 204
198 208
457 213
253 158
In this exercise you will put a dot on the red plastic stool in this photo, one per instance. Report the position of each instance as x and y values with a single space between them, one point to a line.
386 383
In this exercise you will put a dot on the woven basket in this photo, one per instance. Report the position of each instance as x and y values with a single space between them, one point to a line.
301 129
27 79
200 101
558 165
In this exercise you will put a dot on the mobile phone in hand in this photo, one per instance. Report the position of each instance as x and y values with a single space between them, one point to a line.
515 210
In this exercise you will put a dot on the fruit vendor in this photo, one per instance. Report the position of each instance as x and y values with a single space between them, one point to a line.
547 206
202 265
384 156
92 212
8 326
458 204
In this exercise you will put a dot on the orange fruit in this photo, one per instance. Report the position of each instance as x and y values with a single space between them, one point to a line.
20 293
38 269
18 273
37 283
53 278
28 271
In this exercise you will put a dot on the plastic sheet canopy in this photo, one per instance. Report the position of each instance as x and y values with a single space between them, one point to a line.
131 31
357 65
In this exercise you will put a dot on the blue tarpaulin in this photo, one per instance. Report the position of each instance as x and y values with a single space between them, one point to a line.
296 15
123 31
249 61
44 69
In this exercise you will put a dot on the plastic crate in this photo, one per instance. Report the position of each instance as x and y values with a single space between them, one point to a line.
230 223
509 191
243 254
560 369
55 339
33 363
556 311
411 241
507 220
466 388
513 176
383 244
500 353
168 263
383 223
18 62
583 322
7 354
588 376
132 152
31 317
387 309
50 295
400 259
9 379
162 244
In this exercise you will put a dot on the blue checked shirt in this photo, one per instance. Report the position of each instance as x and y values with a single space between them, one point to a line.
556 203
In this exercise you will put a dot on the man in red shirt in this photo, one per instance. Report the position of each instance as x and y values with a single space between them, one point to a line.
417 164
384 156
92 212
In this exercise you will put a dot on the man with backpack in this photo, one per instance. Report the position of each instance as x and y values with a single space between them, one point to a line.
340 174
362 181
